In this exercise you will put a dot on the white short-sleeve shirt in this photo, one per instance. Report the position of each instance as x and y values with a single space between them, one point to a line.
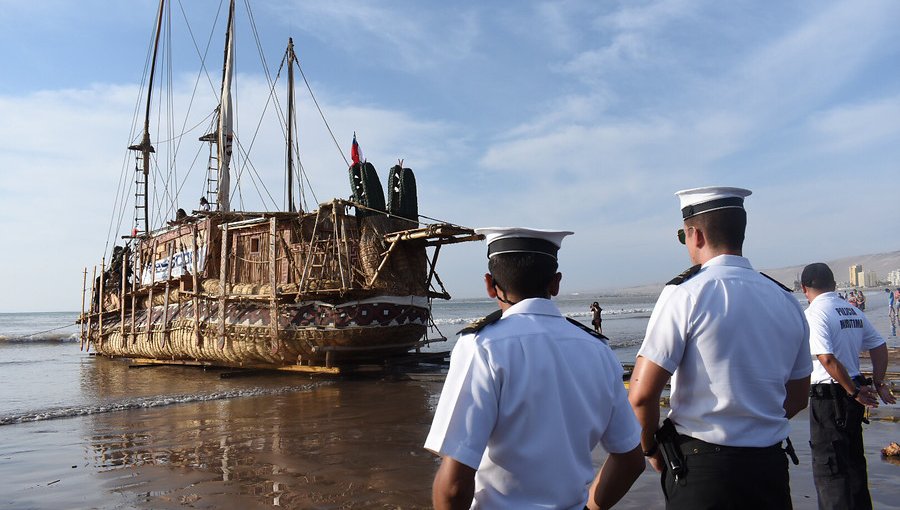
525 402
731 338
839 328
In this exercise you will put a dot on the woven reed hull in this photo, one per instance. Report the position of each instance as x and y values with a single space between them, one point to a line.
304 334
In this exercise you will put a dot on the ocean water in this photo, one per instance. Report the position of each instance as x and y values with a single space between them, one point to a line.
624 316
44 373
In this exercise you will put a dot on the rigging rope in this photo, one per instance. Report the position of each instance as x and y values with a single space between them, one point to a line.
51 330
336 144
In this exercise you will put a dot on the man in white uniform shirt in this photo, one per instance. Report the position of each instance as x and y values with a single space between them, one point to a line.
529 394
734 343
839 393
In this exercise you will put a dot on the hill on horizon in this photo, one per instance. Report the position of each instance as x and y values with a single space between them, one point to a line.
881 263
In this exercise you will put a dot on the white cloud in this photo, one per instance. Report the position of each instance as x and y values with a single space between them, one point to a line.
856 127
412 37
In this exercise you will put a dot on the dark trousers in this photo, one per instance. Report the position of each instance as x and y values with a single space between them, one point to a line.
729 478
839 462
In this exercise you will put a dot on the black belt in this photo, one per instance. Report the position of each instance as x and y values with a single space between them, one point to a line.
827 391
693 446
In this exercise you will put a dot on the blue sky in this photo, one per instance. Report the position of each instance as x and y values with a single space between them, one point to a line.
578 115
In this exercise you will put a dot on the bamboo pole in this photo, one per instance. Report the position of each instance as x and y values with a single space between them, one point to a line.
346 245
337 246
122 302
149 326
198 339
165 320
102 288
310 254
81 322
437 250
137 272
383 262
273 282
91 312
223 279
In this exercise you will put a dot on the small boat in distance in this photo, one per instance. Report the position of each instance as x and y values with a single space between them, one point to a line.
324 290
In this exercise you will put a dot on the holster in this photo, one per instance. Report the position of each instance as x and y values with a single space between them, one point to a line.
667 439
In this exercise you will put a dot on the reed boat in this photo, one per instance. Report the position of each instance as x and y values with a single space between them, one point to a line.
347 283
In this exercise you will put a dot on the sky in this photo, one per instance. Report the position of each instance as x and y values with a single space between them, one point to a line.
577 115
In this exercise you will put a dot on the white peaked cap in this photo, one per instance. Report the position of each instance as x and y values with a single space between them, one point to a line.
522 240
695 201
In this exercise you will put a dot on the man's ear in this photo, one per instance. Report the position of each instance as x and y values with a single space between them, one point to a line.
699 238
553 289
489 286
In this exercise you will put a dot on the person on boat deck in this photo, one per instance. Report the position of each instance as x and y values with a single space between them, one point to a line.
204 204
840 394
735 344
529 394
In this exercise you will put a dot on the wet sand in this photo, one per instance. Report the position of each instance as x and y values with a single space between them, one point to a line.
329 445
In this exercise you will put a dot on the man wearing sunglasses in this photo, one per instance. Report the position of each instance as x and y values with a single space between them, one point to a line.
735 344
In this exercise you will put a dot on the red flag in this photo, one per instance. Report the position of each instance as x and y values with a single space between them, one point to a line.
355 151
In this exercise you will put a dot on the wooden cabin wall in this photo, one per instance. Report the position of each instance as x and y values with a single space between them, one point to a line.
250 252
181 239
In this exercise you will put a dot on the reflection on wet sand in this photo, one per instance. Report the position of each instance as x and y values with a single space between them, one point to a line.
312 443
337 444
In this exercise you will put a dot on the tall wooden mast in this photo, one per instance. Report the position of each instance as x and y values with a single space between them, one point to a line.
291 57
225 134
145 147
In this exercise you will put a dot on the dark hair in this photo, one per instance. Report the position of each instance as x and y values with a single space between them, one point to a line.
526 275
723 228
818 276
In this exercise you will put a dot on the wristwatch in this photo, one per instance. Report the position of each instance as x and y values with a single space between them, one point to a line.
878 385
855 393
652 451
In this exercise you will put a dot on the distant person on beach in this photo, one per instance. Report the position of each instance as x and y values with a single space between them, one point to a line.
892 313
529 394
596 321
839 393
861 300
851 298
735 344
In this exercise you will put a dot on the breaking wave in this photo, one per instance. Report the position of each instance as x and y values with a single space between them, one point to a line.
40 338
639 313
149 402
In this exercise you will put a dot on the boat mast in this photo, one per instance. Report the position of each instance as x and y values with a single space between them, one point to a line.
225 134
145 147
291 57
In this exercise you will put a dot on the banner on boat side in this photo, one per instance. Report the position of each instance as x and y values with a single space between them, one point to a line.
182 263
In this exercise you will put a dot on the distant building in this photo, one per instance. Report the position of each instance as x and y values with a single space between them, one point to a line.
870 279
857 278
893 277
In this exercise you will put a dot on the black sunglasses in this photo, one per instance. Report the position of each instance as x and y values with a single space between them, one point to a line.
682 235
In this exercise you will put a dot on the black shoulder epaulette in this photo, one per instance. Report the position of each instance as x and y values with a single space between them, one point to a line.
480 324
685 276
589 331
783 286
